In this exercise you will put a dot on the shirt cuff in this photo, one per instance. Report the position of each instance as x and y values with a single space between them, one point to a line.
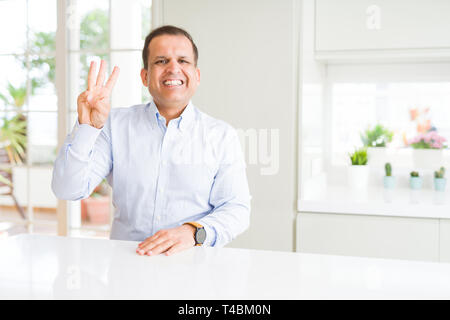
83 138
211 235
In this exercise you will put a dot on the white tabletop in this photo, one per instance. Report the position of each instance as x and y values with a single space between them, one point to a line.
46 267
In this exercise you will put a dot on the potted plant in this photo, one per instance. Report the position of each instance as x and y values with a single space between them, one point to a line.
439 179
358 172
96 207
388 179
377 137
427 149
13 138
415 181
375 140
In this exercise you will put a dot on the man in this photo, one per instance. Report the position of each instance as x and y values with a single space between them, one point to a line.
178 175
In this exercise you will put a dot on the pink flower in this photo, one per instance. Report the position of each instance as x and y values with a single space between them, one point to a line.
432 139
436 145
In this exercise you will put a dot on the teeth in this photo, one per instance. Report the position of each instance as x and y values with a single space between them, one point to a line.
173 82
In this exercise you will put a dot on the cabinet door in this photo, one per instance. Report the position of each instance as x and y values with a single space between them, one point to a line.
382 24
444 240
368 236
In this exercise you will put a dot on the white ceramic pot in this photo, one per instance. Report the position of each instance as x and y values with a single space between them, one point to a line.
431 159
358 177
376 157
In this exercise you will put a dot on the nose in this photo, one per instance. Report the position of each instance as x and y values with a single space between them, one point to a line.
173 66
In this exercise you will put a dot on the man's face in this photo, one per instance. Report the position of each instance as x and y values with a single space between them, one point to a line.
172 76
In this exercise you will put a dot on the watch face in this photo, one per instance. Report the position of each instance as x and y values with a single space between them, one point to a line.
200 235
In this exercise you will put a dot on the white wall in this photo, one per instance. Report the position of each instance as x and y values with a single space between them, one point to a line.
248 57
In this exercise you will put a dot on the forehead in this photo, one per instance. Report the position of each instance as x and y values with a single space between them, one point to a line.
165 45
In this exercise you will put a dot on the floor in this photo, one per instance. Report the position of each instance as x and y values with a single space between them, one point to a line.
11 223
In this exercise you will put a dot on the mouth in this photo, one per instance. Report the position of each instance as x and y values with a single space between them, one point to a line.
173 83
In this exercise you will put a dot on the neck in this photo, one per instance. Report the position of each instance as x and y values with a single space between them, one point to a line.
170 113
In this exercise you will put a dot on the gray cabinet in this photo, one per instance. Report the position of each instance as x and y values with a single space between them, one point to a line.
352 25
444 240
371 236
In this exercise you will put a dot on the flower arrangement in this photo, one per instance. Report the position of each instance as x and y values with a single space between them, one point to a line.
428 140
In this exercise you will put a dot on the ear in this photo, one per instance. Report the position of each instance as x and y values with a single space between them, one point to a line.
144 77
197 71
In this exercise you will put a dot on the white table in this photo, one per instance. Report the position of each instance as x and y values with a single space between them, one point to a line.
46 267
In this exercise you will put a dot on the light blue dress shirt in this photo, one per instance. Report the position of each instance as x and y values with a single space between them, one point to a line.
162 177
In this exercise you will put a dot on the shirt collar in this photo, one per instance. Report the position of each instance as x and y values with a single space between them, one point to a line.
184 120
152 112
186 117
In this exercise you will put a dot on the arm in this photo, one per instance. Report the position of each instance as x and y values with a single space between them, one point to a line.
85 158
83 162
230 197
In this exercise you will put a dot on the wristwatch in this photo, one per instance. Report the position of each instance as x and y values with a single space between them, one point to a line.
200 233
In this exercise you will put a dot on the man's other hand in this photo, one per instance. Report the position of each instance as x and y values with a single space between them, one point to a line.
168 241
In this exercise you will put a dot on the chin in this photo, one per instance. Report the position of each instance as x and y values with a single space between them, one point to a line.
175 102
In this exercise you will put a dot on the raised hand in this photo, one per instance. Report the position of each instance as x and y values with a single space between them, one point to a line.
94 103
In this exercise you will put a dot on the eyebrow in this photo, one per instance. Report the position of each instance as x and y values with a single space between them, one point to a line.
164 57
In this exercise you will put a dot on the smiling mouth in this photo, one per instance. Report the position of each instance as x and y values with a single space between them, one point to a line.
173 83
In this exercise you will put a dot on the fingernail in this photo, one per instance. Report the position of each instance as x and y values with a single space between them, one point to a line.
141 252
149 253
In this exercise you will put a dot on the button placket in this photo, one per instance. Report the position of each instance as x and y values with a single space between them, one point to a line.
162 176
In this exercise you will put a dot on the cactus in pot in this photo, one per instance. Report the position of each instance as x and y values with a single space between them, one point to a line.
388 179
439 179
415 181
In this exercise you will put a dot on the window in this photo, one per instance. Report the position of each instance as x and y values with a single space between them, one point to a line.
113 30
28 116
346 100
364 97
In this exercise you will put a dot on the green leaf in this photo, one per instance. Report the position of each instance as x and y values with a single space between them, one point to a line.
5 181
359 157
378 136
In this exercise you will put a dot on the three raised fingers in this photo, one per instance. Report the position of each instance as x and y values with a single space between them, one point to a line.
91 75
101 74
92 82
112 79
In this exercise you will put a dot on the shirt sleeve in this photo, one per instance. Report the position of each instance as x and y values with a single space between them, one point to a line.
83 161
229 197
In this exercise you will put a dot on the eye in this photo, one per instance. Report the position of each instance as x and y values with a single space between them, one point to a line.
161 61
183 61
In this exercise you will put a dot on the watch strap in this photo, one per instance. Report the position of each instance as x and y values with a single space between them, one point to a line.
194 224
